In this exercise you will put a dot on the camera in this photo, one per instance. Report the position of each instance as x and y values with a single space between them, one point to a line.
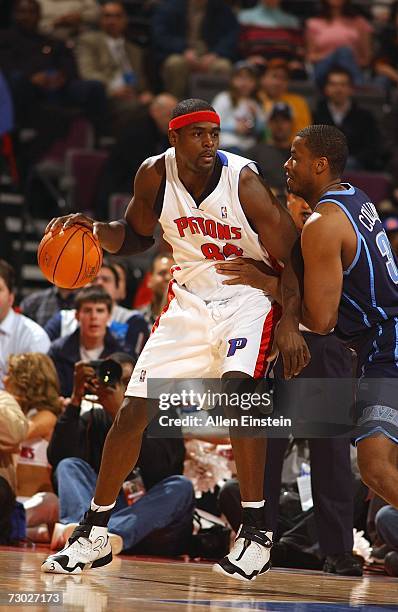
108 371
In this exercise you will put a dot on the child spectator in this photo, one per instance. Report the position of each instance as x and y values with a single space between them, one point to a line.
241 116
92 339
127 326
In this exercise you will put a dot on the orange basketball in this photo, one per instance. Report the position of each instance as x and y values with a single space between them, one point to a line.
70 259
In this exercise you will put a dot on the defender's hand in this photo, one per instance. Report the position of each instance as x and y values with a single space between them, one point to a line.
290 343
246 271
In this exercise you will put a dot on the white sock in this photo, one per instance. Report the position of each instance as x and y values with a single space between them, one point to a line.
96 508
257 504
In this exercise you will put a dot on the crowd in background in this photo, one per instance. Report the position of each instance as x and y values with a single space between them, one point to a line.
104 77
119 68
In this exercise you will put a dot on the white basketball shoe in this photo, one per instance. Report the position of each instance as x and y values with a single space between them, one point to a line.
249 556
88 547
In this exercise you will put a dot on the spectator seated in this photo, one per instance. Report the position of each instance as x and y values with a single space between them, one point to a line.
127 326
193 36
18 334
92 339
160 519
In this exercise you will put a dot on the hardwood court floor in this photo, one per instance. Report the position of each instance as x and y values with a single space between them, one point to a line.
139 585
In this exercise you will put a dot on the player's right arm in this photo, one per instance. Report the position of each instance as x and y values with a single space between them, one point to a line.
132 234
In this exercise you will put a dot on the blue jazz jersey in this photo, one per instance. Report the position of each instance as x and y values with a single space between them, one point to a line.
370 285
368 316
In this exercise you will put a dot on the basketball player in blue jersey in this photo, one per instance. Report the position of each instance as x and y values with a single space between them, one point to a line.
351 285
211 205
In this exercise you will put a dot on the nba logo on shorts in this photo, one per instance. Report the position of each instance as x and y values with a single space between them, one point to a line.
142 375
223 212
235 344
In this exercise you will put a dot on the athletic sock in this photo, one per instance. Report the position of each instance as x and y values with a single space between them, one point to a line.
97 508
98 515
253 514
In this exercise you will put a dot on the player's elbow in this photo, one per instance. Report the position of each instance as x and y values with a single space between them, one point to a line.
319 323
321 328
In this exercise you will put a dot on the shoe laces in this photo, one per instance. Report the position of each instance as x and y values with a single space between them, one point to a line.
81 531
255 535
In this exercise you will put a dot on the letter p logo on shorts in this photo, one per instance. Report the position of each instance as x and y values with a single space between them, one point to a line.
235 344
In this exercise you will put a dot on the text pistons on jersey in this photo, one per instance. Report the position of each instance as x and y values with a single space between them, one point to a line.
207 227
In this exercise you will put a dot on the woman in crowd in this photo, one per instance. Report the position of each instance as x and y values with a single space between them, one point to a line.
241 115
32 380
339 35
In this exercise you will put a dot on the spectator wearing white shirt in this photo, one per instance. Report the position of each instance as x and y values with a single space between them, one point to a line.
18 334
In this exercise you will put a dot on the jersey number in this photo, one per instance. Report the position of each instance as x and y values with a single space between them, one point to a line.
212 251
384 246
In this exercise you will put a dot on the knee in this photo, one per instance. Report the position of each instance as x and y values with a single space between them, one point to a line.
70 465
184 486
386 521
182 490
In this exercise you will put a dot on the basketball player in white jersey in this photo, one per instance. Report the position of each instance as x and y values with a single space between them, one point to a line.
211 206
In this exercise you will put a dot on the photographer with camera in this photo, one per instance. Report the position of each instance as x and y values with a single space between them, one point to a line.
153 512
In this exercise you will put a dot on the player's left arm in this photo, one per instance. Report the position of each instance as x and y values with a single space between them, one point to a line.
279 237
321 244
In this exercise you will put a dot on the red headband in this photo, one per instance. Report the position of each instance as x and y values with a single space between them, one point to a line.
196 117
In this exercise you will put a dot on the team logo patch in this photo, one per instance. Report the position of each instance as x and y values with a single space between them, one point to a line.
223 212
235 344
142 375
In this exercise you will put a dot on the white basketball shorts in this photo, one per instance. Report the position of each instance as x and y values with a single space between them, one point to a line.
197 339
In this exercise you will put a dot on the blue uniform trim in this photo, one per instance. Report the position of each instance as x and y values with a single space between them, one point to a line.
223 158
372 280
354 225
350 191
374 430
365 318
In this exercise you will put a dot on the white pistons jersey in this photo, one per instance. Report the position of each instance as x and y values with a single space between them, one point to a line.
215 230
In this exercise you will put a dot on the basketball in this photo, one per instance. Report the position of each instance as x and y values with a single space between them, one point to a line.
71 258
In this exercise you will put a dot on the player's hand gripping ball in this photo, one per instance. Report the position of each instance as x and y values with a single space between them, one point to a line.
70 258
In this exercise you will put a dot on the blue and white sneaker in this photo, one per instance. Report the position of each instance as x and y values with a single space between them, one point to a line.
88 547
249 556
